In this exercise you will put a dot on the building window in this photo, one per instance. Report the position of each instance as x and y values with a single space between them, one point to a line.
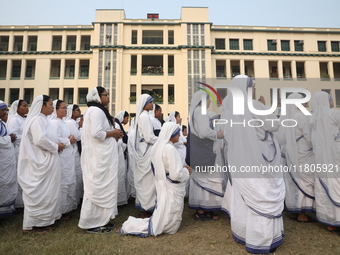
16 69
221 68
336 70
154 90
133 95
337 97
69 69
56 43
247 44
322 46
134 37
85 42
152 65
32 43
335 46
171 94
271 44
3 69
30 69
235 67
28 95
220 44
287 70
171 64
233 44
55 69
82 93
54 93
71 42
68 95
84 68
171 39
323 66
13 95
273 70
2 94
298 45
152 37
17 43
4 43
249 68
133 66
300 70
285 45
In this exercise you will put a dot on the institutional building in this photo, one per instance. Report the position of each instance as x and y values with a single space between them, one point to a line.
163 57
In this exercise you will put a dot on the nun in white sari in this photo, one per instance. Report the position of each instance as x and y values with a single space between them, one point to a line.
206 188
298 151
326 145
257 198
170 178
38 167
67 169
144 138
8 174
99 162
73 113
122 168
15 124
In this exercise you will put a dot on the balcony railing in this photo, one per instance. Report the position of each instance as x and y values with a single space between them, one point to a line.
56 46
4 46
134 40
17 46
84 72
32 46
152 70
152 40
71 46
85 46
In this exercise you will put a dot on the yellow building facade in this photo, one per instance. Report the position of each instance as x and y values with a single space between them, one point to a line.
165 58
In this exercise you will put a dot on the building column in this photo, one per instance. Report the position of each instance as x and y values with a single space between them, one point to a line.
9 69
139 64
330 69
228 68
242 69
76 68
280 69
294 74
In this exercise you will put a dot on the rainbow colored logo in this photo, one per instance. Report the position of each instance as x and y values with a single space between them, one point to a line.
213 97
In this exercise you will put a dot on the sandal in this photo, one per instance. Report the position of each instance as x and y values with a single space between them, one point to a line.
205 216
99 230
212 215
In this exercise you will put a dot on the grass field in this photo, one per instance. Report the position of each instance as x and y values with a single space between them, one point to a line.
193 237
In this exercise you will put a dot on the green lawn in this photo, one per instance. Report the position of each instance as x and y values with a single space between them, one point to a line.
193 237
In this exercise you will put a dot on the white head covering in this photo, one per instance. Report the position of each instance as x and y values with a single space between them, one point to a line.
141 102
13 110
54 113
120 116
93 96
167 130
69 112
35 110
195 101
171 117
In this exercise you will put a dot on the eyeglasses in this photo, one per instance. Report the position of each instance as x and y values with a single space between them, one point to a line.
5 111
64 108
105 95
